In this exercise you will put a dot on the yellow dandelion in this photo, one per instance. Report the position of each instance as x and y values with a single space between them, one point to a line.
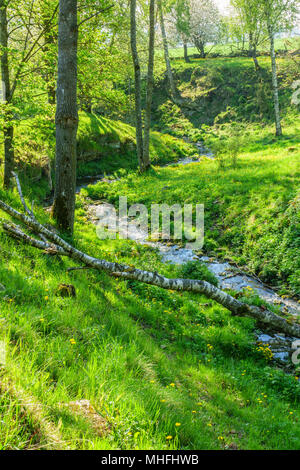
169 438
177 424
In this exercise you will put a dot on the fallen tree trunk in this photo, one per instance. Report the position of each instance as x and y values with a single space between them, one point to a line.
54 244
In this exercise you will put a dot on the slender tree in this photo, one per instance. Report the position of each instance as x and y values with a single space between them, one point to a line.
166 49
49 57
137 88
150 83
277 15
8 129
182 18
250 21
66 118
20 41
274 81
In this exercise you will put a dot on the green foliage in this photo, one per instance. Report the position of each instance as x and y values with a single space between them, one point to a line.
198 270
145 358
220 91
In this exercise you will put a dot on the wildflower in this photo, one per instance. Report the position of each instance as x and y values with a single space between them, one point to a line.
221 438
72 341
162 401
194 411
169 438
172 385
177 424
209 424
152 381
46 297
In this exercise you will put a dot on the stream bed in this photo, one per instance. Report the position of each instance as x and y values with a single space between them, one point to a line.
229 276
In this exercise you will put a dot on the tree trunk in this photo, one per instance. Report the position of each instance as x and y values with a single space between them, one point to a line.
50 63
200 45
166 49
185 52
150 83
137 78
275 82
8 130
66 116
252 51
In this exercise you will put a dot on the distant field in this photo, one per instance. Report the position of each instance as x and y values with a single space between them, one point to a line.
282 43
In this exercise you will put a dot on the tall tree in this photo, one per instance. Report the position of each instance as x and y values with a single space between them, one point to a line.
182 18
66 118
277 15
49 51
8 129
166 49
20 41
150 83
204 24
143 139
250 20
137 78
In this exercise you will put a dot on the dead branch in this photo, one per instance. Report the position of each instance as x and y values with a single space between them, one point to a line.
55 242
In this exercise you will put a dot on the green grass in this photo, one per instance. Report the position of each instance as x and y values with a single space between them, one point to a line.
16 429
221 90
227 49
251 206
145 358
103 145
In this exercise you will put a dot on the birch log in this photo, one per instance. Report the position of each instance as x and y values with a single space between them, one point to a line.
57 245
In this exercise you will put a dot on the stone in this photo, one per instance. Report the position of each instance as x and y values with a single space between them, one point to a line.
66 290
282 356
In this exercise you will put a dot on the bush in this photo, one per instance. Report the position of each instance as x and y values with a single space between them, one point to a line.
198 270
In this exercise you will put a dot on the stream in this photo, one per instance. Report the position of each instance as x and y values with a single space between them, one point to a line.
229 276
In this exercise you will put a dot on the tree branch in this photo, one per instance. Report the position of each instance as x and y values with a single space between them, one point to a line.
95 14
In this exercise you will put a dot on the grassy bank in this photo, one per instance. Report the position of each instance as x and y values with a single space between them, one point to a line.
103 145
251 203
161 370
